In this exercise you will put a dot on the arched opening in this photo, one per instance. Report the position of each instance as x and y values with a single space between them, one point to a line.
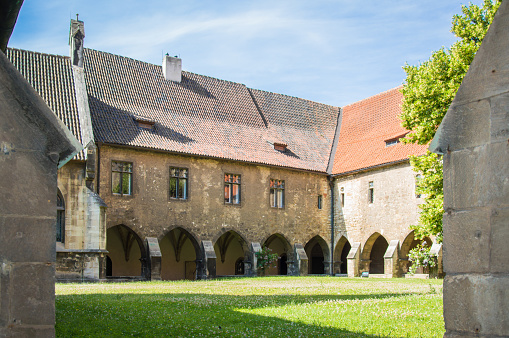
280 246
376 266
179 252
283 265
109 267
408 244
126 252
239 266
60 235
229 248
318 253
340 255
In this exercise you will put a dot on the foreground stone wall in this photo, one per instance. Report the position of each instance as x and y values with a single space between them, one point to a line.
474 138
33 143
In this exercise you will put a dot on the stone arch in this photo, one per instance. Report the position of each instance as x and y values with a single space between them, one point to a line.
180 253
373 253
126 251
318 254
280 246
408 244
229 247
341 251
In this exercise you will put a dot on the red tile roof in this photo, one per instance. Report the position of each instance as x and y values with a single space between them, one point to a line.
204 116
365 127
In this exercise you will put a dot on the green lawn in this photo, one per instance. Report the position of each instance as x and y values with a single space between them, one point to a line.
253 307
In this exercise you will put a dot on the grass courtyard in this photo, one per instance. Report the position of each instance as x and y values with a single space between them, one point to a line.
252 307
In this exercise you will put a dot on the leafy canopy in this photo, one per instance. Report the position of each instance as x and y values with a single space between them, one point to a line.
428 92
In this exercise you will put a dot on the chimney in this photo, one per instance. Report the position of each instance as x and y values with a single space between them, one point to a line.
172 68
76 37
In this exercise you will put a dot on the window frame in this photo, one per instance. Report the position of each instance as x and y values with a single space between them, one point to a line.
177 179
131 176
273 191
61 217
230 185
371 192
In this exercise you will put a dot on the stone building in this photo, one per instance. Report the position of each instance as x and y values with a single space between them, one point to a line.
374 189
196 174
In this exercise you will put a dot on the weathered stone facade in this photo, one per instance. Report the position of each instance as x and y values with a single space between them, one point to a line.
204 216
474 139
82 254
386 218
33 144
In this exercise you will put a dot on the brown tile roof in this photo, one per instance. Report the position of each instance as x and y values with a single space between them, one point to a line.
365 127
51 76
204 116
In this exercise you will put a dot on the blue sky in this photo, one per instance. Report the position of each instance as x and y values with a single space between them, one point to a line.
330 51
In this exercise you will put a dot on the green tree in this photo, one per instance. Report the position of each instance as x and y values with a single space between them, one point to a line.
428 92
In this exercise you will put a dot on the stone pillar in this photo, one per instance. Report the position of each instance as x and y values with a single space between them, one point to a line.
300 265
391 260
154 258
353 260
208 269
473 138
250 266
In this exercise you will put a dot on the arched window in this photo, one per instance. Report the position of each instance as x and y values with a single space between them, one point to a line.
60 218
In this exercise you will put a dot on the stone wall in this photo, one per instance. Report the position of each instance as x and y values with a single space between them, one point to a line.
474 138
33 143
393 210
82 254
204 216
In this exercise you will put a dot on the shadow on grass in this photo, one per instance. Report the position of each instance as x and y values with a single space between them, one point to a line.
196 314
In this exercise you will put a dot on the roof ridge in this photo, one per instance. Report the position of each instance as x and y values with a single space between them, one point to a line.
40 53
374 96
294 97
153 64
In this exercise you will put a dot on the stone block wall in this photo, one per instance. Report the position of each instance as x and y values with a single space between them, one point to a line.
474 138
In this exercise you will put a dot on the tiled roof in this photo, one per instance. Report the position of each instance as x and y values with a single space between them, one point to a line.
365 127
51 76
204 116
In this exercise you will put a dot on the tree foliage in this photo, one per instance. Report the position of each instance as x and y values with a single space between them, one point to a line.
428 92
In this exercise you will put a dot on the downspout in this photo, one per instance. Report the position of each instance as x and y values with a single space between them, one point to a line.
98 167
331 186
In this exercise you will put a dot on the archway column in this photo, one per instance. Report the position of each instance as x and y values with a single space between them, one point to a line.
153 259
353 260
207 266
300 263
251 261
391 260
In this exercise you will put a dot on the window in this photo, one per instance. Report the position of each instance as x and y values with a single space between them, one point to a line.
342 197
178 183
418 178
277 193
122 178
319 201
371 192
231 189
392 142
60 218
